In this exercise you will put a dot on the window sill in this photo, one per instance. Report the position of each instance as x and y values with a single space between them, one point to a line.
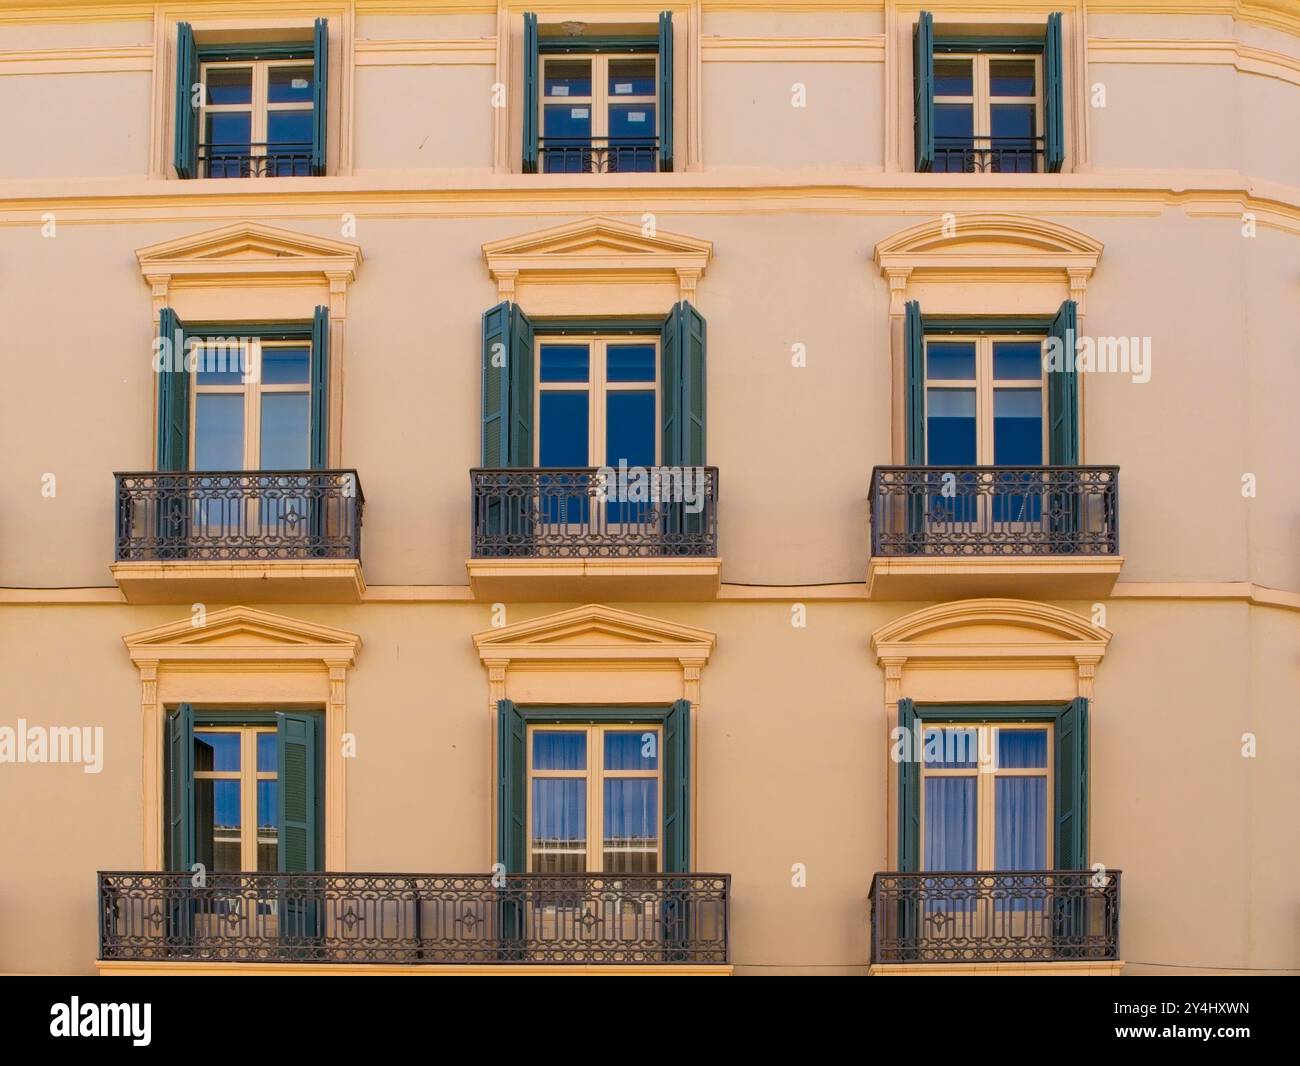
288 581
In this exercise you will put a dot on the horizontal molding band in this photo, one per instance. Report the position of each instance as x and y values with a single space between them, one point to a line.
476 51
1245 58
109 59
868 49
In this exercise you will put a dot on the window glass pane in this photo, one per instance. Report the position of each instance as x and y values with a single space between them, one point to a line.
566 77
289 129
952 748
950 823
632 749
268 824
289 85
1018 360
219 431
1020 823
285 366
1012 122
284 430
217 830
266 753
950 360
570 122
221 362
630 362
631 824
954 124
631 122
630 428
1017 427
565 362
950 427
1022 749
216 751
632 77
229 131
563 439
952 77
1011 77
559 751
229 85
559 825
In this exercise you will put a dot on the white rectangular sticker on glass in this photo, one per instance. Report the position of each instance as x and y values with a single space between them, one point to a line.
623 87
559 90
300 83
636 116
578 112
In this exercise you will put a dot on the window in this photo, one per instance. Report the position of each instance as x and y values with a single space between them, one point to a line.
987 114
236 799
597 104
256 119
594 799
993 104
986 797
250 110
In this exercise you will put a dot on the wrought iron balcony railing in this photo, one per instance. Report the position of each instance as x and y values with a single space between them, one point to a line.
995 916
280 160
598 155
576 513
239 515
994 510
415 918
988 155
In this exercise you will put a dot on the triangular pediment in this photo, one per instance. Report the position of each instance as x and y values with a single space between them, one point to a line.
243 633
583 631
598 238
257 248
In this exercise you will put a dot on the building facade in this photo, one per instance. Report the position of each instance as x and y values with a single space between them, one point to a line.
599 486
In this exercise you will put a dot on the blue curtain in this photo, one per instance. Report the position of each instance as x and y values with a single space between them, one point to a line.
950 823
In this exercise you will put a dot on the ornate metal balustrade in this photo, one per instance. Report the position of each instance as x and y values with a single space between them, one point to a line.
280 160
233 515
574 513
994 510
415 918
988 155
995 916
598 155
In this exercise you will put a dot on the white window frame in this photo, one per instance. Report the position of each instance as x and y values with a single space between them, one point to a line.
259 106
600 98
248 775
982 99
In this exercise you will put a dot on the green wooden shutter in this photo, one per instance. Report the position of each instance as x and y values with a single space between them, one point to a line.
185 136
665 90
1071 801
530 93
173 441
296 744
677 788
909 794
521 389
1053 95
320 388
923 90
670 389
1063 391
320 97
914 355
496 386
684 403
512 761
180 788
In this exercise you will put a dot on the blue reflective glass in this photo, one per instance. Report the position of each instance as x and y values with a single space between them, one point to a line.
554 750
1017 427
953 124
289 85
565 362
1022 749
632 77
289 128
952 77
566 121
950 360
630 428
219 431
633 749
560 811
1018 360
1020 827
1012 122
1011 77
220 362
267 753
630 362
284 430
229 130
229 85
566 77
216 751
267 796
950 427
563 439
950 823
951 748
632 121
285 366
631 810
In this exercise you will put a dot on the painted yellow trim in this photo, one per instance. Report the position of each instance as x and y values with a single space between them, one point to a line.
474 51
108 59
343 969
1244 58
1044 577
250 250
1000 969
788 49
557 580
276 581
242 656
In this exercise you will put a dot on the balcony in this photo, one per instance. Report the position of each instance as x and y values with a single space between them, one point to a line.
306 921
964 531
996 921
988 155
279 160
589 534
598 155
239 536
